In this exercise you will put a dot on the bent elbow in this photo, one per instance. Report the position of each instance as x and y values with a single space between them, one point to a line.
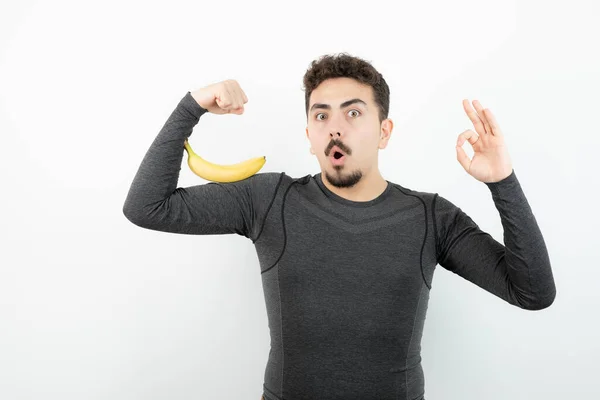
133 216
542 302
129 215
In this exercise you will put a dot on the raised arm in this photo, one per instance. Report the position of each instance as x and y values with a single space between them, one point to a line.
155 202
519 271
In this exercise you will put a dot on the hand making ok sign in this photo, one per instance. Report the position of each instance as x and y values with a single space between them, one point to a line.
491 162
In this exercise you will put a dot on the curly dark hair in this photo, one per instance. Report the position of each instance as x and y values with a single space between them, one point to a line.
345 65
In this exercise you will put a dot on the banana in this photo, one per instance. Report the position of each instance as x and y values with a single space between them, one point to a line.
222 173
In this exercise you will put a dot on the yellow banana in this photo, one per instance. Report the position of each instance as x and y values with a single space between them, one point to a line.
222 173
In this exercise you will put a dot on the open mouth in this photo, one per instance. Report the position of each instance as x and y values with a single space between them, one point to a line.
337 157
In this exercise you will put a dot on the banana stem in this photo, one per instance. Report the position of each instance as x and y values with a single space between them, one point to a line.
187 147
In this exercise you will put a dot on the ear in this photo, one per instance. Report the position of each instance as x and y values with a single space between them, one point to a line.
386 128
386 131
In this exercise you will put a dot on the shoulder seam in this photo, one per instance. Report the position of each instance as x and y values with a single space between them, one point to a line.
283 228
400 188
435 233
262 224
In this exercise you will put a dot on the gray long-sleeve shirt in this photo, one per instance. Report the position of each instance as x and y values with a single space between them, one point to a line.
346 283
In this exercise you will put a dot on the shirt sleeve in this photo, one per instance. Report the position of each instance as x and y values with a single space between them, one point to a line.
155 202
517 271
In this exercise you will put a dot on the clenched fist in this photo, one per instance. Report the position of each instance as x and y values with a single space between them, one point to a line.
226 97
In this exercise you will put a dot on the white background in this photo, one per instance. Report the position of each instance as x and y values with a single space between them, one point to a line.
94 307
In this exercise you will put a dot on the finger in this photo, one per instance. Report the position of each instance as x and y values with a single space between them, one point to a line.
481 114
235 105
240 97
236 97
493 123
233 96
469 135
244 95
225 98
477 122
463 158
239 100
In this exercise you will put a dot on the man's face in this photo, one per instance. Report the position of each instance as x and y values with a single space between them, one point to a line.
354 128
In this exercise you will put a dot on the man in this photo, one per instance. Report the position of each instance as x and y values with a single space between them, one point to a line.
347 258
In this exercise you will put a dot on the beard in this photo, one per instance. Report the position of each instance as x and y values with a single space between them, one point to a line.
343 179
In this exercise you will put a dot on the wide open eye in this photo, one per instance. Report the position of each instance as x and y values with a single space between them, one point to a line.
319 119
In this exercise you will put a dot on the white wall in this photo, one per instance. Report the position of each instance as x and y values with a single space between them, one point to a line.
94 307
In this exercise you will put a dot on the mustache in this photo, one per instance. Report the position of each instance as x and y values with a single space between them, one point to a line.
338 144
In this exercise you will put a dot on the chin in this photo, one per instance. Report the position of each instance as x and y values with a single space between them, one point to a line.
343 179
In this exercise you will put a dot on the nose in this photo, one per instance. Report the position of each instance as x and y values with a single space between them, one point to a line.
334 139
336 123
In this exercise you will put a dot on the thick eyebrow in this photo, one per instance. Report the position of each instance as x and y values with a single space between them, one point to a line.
343 105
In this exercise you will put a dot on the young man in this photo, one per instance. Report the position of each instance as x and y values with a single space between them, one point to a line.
347 258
